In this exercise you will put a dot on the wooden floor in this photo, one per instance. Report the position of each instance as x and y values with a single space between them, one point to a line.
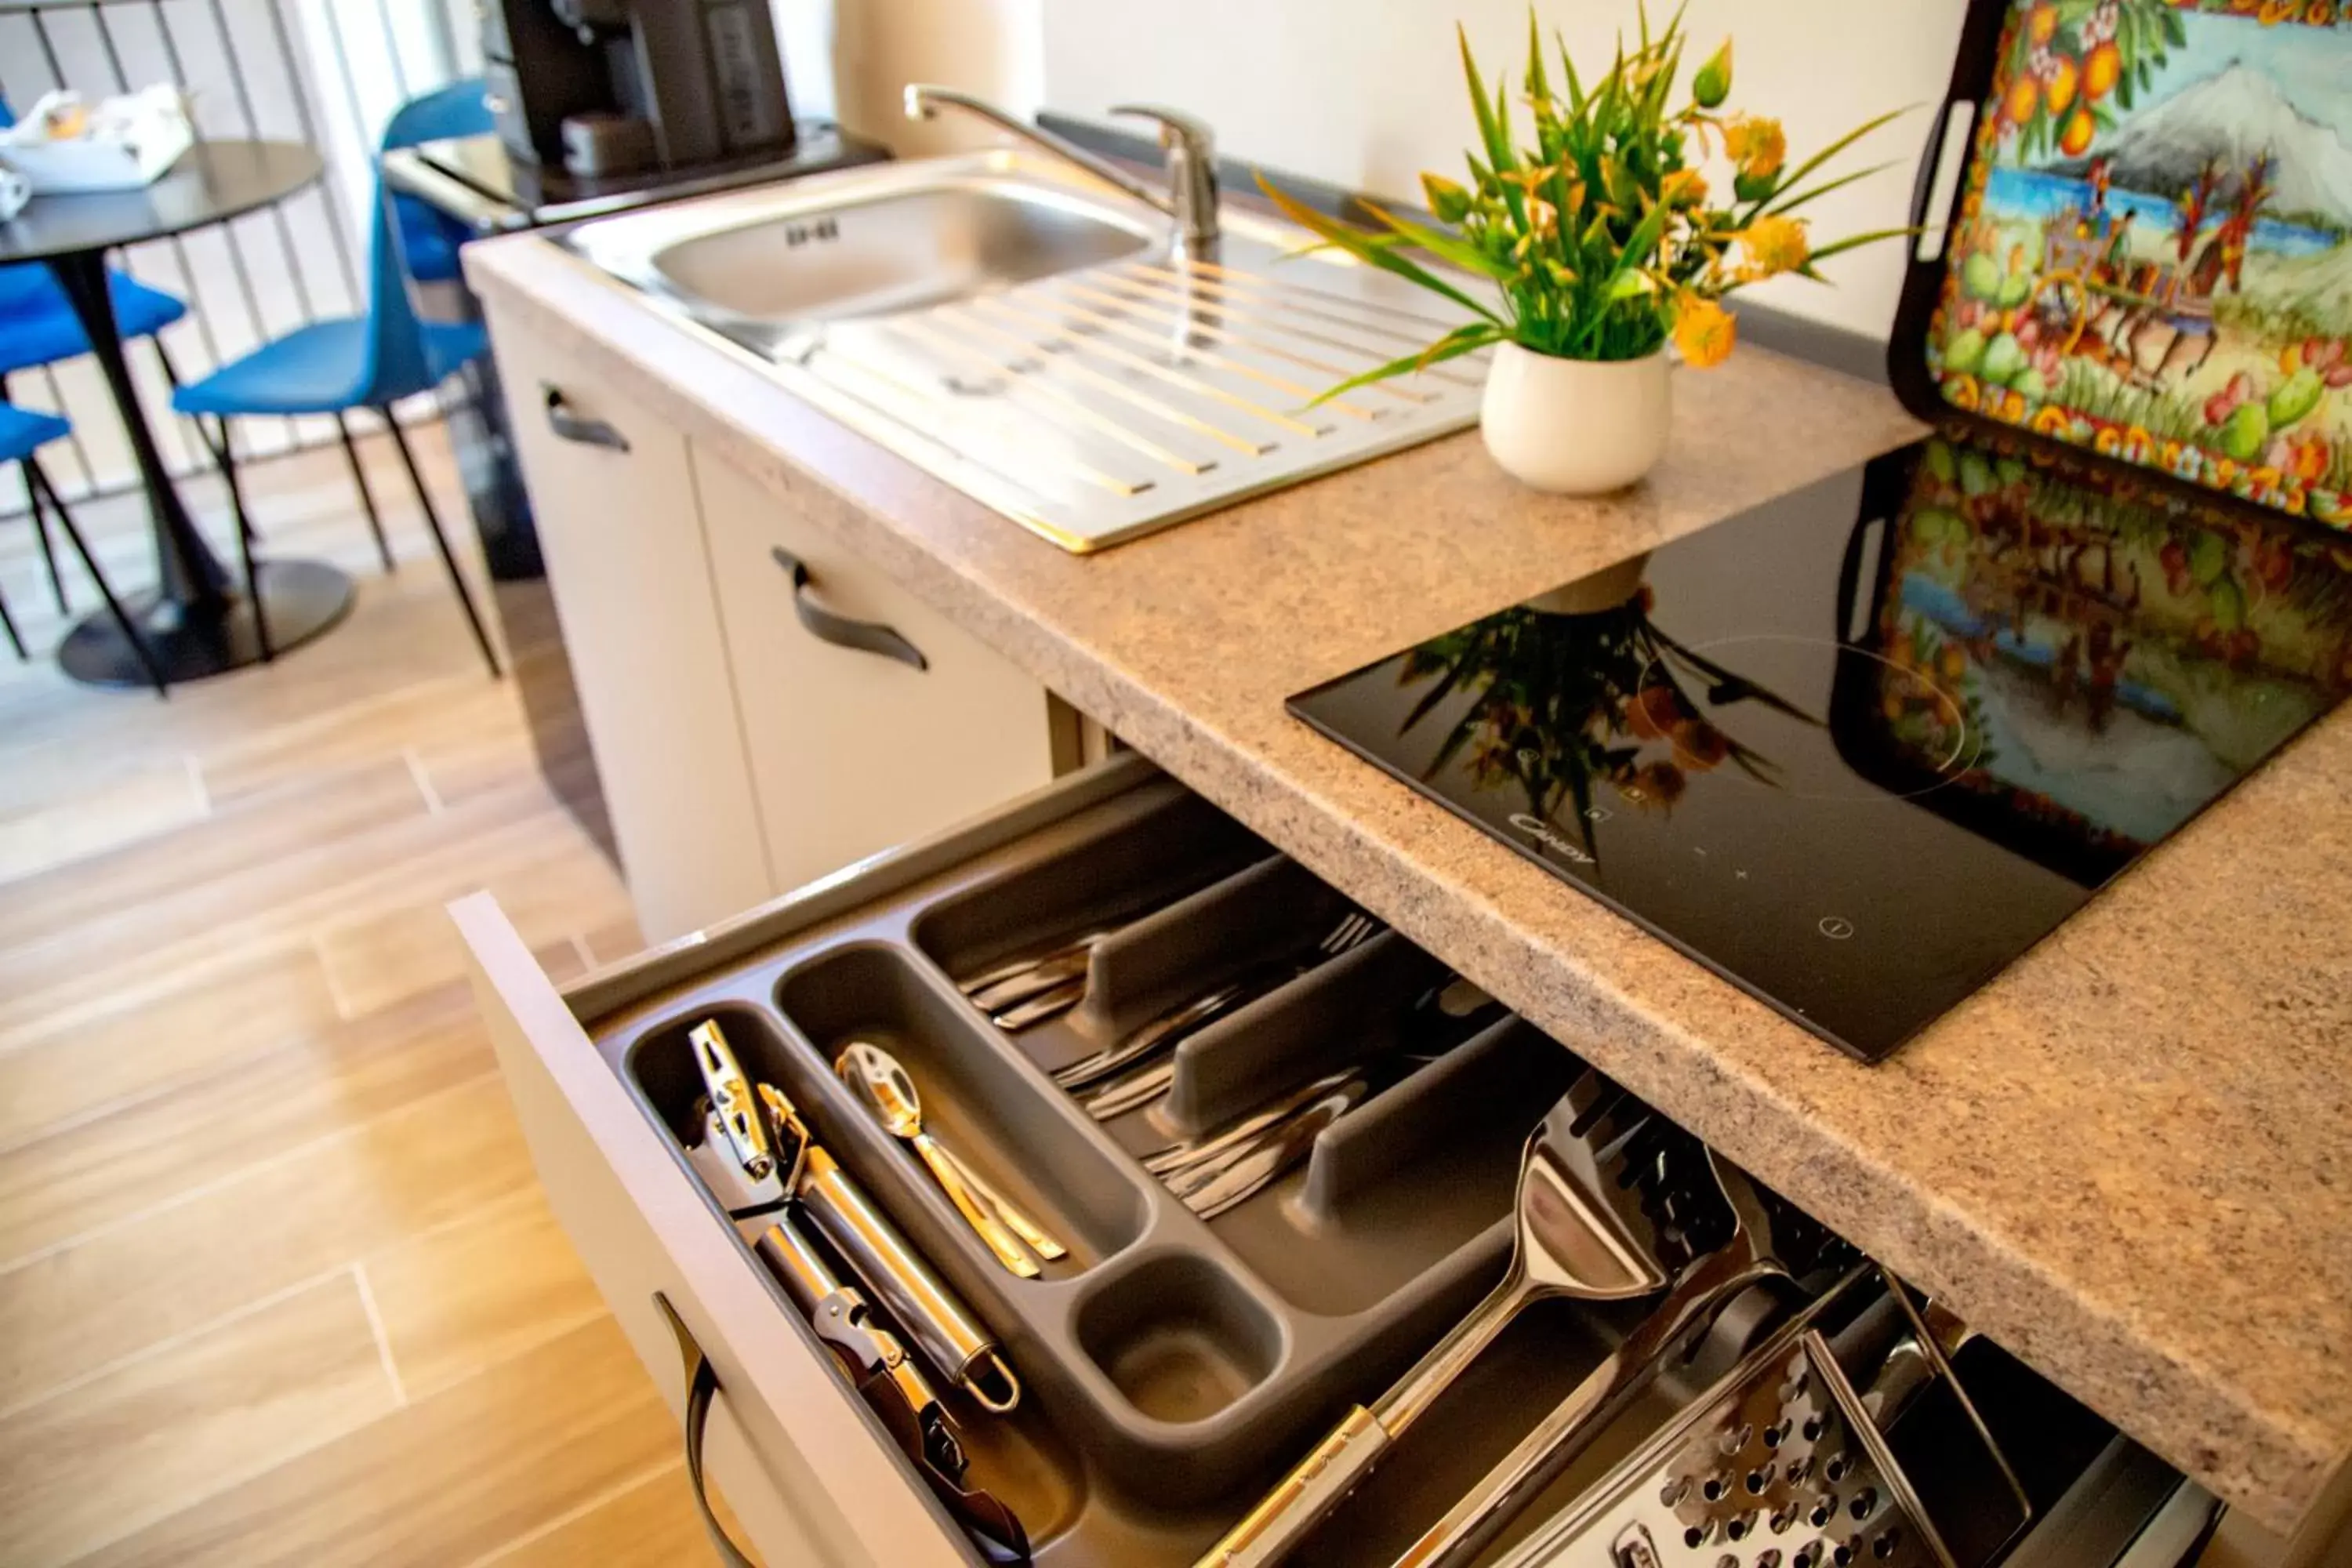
275 1283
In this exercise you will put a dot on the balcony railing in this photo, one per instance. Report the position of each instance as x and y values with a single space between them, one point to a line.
324 72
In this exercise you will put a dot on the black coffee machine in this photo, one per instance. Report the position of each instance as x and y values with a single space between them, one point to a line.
616 87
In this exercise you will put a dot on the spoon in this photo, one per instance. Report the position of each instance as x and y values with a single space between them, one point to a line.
875 1075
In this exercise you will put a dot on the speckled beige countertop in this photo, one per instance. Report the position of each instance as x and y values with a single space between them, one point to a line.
2126 1159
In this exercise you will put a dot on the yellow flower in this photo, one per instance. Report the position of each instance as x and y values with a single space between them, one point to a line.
1756 143
1703 332
1774 246
1684 188
1543 218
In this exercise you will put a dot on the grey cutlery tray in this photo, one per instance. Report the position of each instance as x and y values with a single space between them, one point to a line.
1174 1367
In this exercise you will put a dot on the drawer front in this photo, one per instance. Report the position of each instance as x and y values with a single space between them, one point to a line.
853 750
796 1456
613 495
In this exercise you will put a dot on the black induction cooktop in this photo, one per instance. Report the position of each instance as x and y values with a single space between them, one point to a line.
1861 747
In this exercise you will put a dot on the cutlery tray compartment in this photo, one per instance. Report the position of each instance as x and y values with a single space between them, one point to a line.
1173 1366
976 1099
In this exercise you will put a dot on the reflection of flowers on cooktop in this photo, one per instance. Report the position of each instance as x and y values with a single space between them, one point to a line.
1567 702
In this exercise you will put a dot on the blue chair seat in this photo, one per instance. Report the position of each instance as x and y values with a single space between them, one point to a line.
324 369
38 325
24 431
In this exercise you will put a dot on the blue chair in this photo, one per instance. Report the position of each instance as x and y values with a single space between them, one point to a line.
24 432
38 327
353 361
429 237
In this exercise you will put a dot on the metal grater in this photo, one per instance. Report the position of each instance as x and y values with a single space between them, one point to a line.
1779 1466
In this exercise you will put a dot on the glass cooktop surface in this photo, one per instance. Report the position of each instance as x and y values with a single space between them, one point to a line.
1861 747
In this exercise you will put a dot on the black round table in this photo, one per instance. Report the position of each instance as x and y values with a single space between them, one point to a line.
196 619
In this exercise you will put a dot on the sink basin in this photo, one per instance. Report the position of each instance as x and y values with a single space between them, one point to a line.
894 252
1024 332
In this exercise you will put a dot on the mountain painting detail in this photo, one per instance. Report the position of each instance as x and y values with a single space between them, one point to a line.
2154 253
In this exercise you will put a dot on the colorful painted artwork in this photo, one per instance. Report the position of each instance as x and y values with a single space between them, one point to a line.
2154 254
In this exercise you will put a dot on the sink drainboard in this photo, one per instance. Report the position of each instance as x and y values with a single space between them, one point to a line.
1095 406
1099 405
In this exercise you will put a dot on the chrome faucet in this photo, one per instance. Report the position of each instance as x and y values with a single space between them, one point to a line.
1190 199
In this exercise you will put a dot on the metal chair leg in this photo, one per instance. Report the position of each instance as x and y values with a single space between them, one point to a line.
48 551
212 448
367 496
40 537
8 622
8 625
244 538
129 628
441 542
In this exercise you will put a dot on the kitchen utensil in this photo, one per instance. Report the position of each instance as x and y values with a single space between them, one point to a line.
1211 1186
842 1317
1051 1003
730 1099
1130 1090
1783 1454
1017 1219
1022 978
875 1075
1192 1151
1166 1031
1605 1215
893 1387
1765 1240
941 1326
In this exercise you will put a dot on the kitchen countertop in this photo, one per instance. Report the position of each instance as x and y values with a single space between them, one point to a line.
2127 1158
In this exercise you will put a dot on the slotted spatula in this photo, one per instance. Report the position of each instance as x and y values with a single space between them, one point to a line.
1603 1215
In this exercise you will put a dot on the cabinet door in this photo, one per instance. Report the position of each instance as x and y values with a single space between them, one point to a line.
614 497
853 749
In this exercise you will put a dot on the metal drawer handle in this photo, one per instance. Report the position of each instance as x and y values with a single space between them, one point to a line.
827 625
573 428
701 1384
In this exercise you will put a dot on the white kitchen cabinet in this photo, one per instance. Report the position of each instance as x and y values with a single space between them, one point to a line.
612 493
854 748
742 752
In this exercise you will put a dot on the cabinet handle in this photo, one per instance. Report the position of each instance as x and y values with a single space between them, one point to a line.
826 626
573 428
701 1386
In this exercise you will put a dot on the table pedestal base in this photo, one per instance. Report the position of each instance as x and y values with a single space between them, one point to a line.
301 599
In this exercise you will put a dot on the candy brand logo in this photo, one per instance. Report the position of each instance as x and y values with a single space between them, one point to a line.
1545 833
797 233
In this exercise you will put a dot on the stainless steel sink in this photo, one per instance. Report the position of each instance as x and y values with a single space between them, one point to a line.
1028 334
898 251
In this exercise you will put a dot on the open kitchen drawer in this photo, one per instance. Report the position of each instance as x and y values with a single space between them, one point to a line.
1180 1356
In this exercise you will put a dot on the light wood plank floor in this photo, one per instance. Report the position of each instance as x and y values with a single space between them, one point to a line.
275 1283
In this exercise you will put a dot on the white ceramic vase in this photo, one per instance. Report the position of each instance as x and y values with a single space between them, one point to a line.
1578 427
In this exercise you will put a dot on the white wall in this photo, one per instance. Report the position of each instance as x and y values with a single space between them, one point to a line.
991 48
1366 95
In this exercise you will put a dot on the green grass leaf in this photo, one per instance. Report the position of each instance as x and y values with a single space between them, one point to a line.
1446 246
1842 143
1498 146
1856 241
1789 203
1371 249
1462 340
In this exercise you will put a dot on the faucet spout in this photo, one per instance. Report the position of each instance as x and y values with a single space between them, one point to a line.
1190 199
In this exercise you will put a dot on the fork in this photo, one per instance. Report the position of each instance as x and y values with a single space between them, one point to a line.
1163 1033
